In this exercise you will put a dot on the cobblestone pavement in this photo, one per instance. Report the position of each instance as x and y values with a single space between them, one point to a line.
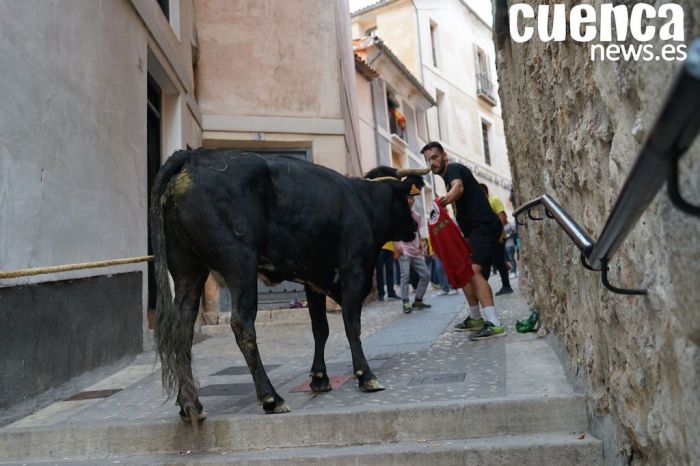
417 357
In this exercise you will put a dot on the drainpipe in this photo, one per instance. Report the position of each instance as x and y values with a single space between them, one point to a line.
420 54
377 137
422 81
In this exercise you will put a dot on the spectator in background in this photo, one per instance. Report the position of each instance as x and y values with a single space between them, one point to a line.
437 270
511 234
397 271
430 263
499 259
445 288
385 272
410 256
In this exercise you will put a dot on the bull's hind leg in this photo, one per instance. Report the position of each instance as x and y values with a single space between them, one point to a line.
244 303
352 309
319 325
188 291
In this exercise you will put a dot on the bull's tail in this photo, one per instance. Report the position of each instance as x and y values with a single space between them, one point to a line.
172 345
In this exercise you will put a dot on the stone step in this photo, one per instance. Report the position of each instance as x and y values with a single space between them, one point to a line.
446 420
264 317
537 449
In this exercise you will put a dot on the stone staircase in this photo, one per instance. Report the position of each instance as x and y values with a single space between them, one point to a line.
545 431
449 401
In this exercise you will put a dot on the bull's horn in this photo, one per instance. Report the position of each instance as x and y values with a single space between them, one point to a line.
401 172
384 178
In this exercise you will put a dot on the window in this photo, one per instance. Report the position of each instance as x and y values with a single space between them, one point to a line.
371 32
165 7
434 43
398 159
421 125
171 11
484 85
482 63
397 121
485 129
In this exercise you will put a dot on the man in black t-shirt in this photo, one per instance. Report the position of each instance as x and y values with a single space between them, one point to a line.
481 226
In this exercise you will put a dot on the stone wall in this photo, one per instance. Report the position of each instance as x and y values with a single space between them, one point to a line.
574 128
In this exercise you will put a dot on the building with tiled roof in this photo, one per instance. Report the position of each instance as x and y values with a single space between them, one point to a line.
389 101
448 48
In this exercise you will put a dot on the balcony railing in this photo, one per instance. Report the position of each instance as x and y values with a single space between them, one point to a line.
673 133
485 88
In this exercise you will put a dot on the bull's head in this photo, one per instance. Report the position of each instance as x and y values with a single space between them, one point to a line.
404 182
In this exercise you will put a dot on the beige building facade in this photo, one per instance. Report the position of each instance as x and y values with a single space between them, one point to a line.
449 48
97 94
278 76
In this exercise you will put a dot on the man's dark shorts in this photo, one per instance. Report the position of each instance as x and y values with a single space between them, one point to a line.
483 252
484 244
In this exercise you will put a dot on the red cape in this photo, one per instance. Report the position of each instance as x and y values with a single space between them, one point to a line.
450 246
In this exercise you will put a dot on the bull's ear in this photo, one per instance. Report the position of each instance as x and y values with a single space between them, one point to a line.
413 184
403 189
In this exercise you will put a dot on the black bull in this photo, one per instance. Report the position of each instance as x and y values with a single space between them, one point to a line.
242 215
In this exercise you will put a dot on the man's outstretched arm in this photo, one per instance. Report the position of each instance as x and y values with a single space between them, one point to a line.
455 192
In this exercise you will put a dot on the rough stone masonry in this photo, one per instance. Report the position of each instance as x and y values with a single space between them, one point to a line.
574 128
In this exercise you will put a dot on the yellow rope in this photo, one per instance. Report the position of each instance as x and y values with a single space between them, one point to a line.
65 268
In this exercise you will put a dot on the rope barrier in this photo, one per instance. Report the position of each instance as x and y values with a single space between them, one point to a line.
68 267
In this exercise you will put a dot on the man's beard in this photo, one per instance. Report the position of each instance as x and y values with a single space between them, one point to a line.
442 168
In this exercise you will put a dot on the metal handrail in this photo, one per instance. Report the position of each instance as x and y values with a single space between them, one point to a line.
555 211
672 134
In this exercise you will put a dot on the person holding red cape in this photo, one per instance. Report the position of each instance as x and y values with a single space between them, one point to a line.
481 227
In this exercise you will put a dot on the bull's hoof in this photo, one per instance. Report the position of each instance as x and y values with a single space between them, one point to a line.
280 409
275 405
371 385
191 415
320 384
